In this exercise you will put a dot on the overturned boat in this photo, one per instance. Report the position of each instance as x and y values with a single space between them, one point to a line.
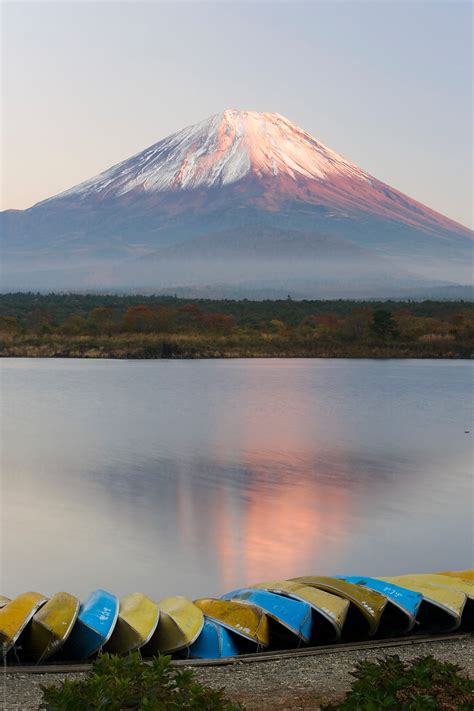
366 608
466 587
180 624
441 608
400 614
214 642
15 616
329 611
50 627
246 620
137 621
94 625
292 619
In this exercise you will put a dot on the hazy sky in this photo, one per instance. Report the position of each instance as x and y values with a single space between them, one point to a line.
387 84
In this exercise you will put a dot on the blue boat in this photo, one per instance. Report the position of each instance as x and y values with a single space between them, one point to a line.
214 642
294 616
405 600
94 625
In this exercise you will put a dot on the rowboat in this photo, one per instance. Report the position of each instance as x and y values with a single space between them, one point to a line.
214 642
4 600
15 615
137 621
445 581
441 608
246 620
403 604
294 616
463 574
366 608
329 611
180 624
94 625
50 627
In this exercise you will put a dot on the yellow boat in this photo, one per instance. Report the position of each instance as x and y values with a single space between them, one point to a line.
331 610
365 612
455 583
4 600
50 627
463 574
444 581
136 623
15 615
442 607
180 624
248 621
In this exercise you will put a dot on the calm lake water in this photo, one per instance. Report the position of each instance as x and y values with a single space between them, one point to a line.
195 477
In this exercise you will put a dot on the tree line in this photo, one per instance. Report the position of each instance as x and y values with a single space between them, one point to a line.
284 326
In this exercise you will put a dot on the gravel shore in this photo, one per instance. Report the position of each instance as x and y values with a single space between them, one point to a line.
298 684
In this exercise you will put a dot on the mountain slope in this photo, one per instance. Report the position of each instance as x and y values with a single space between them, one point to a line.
235 192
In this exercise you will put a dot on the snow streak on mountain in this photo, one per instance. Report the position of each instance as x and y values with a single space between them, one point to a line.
222 150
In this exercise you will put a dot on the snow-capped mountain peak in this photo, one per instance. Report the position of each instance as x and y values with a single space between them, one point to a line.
219 151
241 192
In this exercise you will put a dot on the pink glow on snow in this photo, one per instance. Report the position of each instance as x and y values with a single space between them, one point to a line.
229 151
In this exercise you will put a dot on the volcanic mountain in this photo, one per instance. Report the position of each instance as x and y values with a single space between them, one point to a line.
242 198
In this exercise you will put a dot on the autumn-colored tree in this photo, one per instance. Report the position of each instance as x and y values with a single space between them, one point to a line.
220 323
191 315
328 321
165 318
140 319
356 325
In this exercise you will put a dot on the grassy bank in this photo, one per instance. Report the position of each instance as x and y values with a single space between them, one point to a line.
197 346
113 326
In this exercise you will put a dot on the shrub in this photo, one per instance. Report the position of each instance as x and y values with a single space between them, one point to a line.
425 684
117 683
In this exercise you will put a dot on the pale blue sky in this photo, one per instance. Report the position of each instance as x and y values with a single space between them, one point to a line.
387 84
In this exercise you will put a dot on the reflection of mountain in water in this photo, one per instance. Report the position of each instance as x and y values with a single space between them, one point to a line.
257 519
196 476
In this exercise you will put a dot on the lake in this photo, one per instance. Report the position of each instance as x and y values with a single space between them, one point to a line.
196 477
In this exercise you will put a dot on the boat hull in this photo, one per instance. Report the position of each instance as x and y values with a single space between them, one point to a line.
441 609
400 614
444 582
180 624
365 611
214 642
137 622
15 616
293 616
329 611
50 627
248 621
94 625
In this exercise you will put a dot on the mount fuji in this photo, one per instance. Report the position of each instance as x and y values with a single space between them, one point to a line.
244 202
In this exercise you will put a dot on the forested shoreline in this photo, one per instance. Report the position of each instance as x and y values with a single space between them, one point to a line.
137 326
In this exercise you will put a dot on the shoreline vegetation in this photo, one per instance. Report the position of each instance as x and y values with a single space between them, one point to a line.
140 327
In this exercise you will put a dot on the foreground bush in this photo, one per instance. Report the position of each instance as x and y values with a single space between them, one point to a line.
118 683
425 684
